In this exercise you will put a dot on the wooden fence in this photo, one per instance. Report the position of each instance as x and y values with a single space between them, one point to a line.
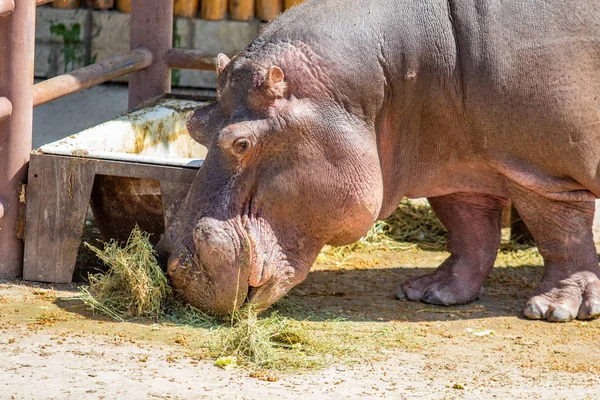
238 10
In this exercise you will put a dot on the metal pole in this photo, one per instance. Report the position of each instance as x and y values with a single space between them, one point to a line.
17 41
92 75
191 59
151 27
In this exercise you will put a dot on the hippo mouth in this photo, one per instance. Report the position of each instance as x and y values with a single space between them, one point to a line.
260 273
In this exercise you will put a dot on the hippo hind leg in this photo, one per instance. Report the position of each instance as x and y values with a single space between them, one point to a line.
474 223
570 286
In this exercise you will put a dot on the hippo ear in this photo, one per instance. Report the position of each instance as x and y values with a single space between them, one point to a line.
222 61
273 86
197 122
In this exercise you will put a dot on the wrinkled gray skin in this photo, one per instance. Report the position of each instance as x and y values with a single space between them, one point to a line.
342 107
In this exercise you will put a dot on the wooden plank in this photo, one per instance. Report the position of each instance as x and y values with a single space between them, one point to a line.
58 192
65 3
148 171
124 6
266 10
101 4
241 10
213 10
172 192
186 8
287 4
133 170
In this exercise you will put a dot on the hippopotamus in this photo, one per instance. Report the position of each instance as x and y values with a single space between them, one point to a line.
338 109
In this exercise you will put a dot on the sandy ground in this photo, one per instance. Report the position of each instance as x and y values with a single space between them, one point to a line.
51 348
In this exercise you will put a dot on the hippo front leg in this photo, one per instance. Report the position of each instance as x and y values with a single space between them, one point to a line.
570 286
474 227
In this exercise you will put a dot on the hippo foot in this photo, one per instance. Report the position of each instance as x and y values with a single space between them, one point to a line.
575 297
446 286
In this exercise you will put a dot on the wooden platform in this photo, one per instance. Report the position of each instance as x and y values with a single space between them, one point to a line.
58 194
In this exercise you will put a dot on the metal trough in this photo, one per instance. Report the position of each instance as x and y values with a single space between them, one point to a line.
130 170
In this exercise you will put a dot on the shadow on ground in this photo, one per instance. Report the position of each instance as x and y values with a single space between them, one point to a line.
369 295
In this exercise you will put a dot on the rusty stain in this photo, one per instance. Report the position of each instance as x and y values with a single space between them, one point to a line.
80 152
22 193
150 134
71 180
22 211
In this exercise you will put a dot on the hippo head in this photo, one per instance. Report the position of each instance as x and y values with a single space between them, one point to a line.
288 170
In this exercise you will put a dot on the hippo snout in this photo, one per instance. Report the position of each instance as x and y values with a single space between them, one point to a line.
214 278
213 243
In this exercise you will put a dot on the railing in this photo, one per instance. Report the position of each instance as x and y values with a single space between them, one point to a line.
149 62
190 59
91 75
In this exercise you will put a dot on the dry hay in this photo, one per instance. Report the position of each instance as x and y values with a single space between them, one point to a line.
269 341
133 286
413 224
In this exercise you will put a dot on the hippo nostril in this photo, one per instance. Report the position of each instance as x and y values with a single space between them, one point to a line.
173 265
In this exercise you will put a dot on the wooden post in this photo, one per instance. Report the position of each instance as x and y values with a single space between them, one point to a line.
266 10
151 27
291 3
101 4
17 40
186 8
65 3
213 9
124 5
59 193
241 10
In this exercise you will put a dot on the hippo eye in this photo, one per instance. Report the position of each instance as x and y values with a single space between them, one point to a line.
240 146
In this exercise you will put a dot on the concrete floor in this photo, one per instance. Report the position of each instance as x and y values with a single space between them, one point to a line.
68 115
